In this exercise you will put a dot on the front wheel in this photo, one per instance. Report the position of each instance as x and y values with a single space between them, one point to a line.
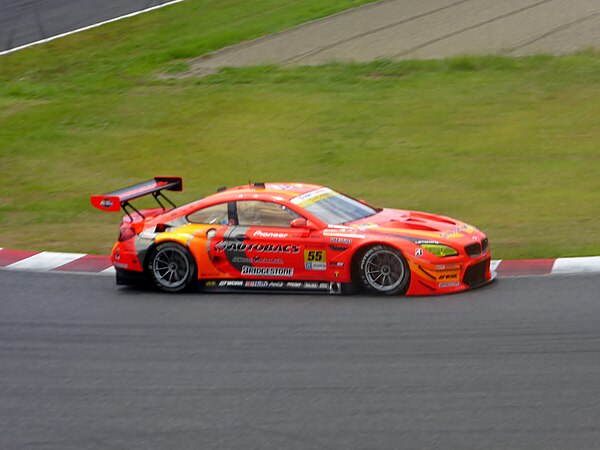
384 270
171 267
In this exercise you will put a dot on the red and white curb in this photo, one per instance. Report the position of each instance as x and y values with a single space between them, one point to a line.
55 262
101 265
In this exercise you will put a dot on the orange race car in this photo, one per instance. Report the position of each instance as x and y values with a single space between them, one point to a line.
291 236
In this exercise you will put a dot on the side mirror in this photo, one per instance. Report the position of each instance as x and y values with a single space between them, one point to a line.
299 222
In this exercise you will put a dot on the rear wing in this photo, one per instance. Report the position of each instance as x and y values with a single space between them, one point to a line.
114 201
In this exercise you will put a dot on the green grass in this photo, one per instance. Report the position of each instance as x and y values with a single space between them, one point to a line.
510 145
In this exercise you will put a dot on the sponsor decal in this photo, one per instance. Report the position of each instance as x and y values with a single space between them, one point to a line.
293 285
447 266
338 248
314 285
448 276
268 271
339 240
260 260
366 226
276 284
419 252
210 284
312 197
336 264
236 246
241 259
281 187
315 260
231 283
118 254
148 235
449 284
120 265
334 231
256 284
256 260
259 233
106 203
456 231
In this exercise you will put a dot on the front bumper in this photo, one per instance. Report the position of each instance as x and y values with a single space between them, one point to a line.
459 275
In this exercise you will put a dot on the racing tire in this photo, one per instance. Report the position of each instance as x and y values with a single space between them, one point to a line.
172 267
383 270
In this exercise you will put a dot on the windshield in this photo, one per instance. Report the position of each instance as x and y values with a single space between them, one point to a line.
332 207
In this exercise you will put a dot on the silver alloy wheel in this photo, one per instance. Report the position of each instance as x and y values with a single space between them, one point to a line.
171 268
384 270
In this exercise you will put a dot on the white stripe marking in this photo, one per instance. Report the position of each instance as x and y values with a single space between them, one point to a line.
44 261
109 271
89 27
494 264
589 264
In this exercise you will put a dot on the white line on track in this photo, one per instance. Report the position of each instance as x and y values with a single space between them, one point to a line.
89 27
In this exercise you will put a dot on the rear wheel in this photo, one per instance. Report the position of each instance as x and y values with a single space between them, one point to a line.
171 267
384 270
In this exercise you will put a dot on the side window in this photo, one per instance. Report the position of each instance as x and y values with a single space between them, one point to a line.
253 212
216 214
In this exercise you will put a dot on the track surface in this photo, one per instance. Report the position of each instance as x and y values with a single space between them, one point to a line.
85 365
25 21
408 29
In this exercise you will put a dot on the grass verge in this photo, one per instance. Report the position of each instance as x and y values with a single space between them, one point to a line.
510 145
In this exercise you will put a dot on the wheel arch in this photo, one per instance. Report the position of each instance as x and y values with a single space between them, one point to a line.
156 243
363 248
355 277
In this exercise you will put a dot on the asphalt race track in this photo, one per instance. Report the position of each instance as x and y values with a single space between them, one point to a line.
85 365
26 21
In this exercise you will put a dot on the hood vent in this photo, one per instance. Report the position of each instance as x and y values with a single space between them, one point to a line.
411 224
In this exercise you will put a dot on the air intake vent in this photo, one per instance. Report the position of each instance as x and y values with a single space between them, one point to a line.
475 275
473 250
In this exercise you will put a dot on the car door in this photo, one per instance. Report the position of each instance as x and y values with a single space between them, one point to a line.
263 245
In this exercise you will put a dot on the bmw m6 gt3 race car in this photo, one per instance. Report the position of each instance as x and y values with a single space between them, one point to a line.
291 236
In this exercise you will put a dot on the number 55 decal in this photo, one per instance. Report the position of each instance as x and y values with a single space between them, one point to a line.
315 260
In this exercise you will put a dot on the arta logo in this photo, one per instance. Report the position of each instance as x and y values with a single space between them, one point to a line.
106 203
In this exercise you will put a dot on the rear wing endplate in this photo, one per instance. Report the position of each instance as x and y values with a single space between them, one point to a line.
114 201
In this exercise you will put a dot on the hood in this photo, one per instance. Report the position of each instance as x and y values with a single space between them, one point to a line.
419 225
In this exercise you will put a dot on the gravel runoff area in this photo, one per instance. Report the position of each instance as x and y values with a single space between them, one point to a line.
414 29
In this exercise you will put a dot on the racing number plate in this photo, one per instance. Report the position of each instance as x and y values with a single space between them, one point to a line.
315 260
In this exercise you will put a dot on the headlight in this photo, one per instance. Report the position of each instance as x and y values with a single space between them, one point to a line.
439 250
